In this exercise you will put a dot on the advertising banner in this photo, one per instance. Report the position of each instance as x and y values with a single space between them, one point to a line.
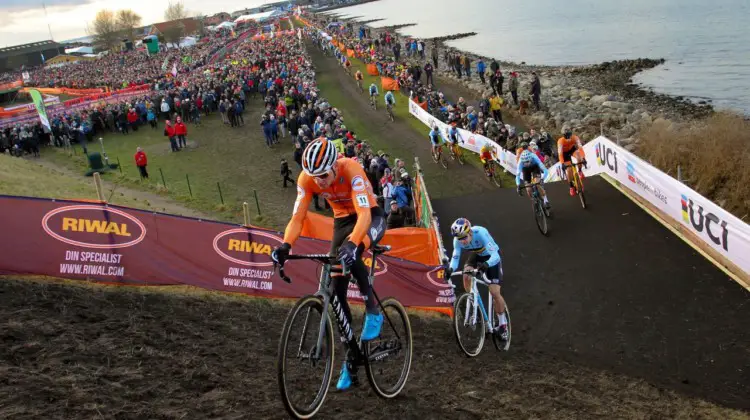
40 109
127 246
726 234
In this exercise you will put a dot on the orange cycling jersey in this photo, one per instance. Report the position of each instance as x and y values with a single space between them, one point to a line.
485 157
565 145
350 193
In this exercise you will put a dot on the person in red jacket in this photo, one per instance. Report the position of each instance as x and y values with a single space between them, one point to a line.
141 161
180 130
133 119
170 132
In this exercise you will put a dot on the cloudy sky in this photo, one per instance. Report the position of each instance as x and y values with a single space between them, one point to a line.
23 21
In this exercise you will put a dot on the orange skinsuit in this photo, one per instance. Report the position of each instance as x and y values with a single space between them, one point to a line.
349 193
564 145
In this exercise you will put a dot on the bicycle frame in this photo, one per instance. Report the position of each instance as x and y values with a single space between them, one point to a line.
477 301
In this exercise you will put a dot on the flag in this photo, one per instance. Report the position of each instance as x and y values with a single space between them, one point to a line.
39 105
174 69
42 57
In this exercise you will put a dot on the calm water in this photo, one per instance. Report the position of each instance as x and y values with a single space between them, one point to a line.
706 43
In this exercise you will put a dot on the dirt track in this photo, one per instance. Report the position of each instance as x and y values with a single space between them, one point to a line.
612 288
93 352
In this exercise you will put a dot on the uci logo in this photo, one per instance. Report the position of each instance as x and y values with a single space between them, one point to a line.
606 156
699 220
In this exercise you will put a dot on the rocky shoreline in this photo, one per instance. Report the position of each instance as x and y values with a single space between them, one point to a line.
593 99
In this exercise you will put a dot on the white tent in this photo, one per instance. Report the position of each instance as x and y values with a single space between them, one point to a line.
188 41
259 17
79 50
223 25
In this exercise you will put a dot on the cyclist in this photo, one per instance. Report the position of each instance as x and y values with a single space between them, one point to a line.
529 169
373 91
485 155
567 146
435 139
358 224
485 257
389 99
359 78
453 137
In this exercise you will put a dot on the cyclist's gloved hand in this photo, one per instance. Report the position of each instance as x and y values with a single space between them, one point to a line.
281 252
348 253
482 266
448 272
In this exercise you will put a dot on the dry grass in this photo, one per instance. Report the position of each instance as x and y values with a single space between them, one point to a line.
713 154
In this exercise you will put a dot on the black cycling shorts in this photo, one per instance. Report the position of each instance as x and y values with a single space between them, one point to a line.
494 273
528 172
567 155
343 227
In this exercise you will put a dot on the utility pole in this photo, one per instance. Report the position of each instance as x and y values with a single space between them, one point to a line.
47 19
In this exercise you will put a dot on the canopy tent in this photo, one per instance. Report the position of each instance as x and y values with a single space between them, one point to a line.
228 25
259 17
188 41
79 50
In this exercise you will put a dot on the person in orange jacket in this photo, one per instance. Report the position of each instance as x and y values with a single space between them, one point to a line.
169 131
180 130
141 161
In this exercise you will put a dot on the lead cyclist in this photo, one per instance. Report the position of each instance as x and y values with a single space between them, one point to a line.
486 258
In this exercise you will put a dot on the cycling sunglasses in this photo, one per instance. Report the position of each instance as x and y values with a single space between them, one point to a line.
324 176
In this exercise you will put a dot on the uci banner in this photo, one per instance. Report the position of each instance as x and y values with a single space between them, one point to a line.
121 245
703 220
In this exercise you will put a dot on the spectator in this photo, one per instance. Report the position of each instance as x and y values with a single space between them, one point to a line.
480 69
169 131
180 130
141 161
396 216
513 87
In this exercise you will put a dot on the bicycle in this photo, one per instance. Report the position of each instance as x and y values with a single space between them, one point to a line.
359 85
373 102
466 316
457 153
541 213
389 109
577 179
372 354
493 173
439 158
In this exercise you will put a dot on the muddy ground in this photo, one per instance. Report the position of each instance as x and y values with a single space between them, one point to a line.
78 351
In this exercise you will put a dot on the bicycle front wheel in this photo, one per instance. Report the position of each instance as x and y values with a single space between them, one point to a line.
497 340
540 217
460 156
303 376
469 331
443 161
579 188
388 357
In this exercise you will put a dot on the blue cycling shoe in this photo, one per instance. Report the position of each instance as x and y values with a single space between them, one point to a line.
345 379
371 330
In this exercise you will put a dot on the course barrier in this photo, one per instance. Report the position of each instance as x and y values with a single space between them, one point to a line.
721 235
120 245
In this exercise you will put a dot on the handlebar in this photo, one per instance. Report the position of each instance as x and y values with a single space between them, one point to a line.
321 258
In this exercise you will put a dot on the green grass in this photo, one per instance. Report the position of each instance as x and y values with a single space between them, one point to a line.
27 178
328 84
237 159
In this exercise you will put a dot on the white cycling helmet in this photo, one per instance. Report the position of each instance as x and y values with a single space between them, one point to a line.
319 157
460 228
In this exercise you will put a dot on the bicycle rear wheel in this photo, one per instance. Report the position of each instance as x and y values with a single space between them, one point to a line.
500 344
464 327
497 175
303 393
540 216
388 357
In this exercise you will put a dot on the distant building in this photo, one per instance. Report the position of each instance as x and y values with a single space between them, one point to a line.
218 18
29 55
238 13
190 26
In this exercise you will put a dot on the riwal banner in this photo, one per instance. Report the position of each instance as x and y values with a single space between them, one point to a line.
474 142
121 245
720 230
